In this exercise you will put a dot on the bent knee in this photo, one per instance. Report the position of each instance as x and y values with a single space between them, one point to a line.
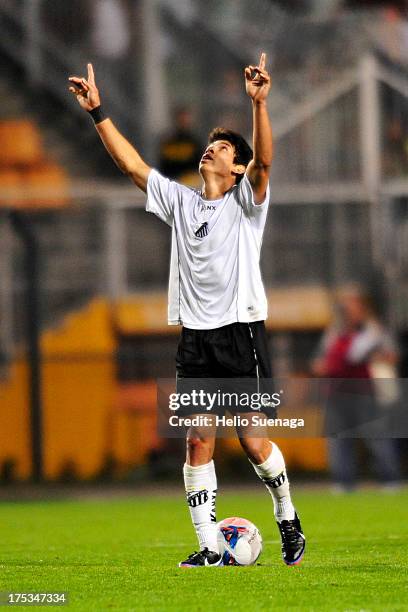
199 450
195 443
257 449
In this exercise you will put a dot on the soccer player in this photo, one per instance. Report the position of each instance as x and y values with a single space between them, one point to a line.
215 290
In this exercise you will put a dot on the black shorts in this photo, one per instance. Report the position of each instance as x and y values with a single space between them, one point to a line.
238 351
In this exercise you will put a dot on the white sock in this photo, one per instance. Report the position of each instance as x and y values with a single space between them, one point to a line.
273 473
201 489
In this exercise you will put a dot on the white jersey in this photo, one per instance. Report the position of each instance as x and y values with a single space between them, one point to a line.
215 277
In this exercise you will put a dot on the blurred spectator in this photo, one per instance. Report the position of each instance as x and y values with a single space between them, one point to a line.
354 348
391 33
395 149
180 151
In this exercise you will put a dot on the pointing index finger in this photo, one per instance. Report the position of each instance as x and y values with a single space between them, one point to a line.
262 61
91 75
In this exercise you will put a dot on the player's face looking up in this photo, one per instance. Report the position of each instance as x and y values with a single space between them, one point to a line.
219 159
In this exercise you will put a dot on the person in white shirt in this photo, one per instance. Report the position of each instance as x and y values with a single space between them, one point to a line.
215 292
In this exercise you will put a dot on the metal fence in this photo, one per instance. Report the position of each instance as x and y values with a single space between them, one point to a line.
100 249
148 41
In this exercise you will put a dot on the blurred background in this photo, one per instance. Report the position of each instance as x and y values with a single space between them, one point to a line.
84 270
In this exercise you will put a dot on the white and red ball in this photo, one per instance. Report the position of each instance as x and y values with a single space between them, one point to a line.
239 541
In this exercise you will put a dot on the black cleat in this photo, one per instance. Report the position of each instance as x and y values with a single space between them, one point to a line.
204 558
293 541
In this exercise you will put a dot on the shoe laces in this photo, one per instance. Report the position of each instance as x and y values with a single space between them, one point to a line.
197 553
289 532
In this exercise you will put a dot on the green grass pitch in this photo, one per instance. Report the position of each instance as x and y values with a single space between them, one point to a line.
122 554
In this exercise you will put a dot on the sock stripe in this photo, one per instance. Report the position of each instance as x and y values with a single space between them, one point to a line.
273 474
201 490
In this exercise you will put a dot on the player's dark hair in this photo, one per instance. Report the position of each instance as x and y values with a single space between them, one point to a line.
243 152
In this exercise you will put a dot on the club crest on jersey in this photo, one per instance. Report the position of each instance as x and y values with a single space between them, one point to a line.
202 230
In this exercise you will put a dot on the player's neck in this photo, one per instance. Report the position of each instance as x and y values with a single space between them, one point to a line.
214 188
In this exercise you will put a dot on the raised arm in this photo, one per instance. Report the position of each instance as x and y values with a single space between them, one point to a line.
122 152
258 83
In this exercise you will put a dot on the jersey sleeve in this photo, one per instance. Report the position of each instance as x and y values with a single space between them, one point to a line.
245 196
162 194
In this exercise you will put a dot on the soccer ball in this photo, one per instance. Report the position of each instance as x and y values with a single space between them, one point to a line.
239 541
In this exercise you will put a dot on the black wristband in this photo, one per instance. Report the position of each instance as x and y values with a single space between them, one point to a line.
97 114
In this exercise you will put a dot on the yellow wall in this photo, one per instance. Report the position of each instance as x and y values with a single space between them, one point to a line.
78 391
289 309
77 399
79 385
14 420
87 415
